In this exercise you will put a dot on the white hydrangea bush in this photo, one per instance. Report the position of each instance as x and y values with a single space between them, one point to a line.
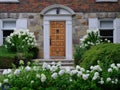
43 77
20 40
91 39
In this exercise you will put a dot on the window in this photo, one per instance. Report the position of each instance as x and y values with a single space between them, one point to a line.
8 27
106 29
106 0
13 1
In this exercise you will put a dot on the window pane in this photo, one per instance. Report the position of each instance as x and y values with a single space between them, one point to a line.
106 24
106 32
9 24
6 33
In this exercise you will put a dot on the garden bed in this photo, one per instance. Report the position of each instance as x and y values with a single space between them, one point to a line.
52 77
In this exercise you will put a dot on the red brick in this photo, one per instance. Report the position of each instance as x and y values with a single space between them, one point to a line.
76 5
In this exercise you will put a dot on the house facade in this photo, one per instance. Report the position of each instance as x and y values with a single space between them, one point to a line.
59 25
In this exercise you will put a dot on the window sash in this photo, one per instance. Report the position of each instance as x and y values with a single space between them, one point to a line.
106 0
13 1
8 25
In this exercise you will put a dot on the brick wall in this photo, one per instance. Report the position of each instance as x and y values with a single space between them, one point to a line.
77 5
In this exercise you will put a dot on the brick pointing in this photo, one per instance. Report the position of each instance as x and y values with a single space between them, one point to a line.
77 5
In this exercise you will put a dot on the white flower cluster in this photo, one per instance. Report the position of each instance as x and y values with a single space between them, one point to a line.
25 35
7 71
114 67
96 68
91 42
53 67
94 74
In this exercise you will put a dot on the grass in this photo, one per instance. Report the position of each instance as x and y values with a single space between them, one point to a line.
5 54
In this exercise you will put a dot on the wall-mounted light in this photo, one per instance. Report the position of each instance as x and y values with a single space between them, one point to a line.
58 11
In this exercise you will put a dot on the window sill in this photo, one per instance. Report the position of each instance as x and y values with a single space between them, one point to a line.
106 0
9 1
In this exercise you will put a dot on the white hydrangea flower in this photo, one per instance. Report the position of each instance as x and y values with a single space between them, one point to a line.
112 65
53 63
116 68
67 70
82 69
43 78
53 68
78 67
116 81
97 67
54 75
61 72
73 72
5 81
113 82
45 66
0 84
32 81
101 81
110 70
87 71
35 68
108 79
71 80
59 64
85 76
96 75
92 30
27 68
79 73
91 67
10 75
7 71
37 76
118 65
109 41
17 71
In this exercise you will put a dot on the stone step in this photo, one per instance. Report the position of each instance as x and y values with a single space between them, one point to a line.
64 62
54 60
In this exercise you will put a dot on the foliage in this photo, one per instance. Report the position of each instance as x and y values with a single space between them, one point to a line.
34 51
52 77
20 41
91 39
105 53
23 43
8 58
4 53
78 55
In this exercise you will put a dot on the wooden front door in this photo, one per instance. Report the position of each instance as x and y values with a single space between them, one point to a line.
57 39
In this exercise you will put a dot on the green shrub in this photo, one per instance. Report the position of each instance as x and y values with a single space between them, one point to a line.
78 55
34 51
53 77
105 53
8 58
20 41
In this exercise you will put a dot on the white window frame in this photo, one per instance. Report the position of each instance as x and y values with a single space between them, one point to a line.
8 20
106 0
12 1
111 28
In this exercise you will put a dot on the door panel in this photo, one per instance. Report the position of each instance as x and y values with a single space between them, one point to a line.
57 39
